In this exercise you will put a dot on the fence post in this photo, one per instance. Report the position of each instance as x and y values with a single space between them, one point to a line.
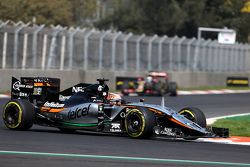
160 52
150 52
241 47
231 58
138 52
72 33
236 49
179 52
189 53
34 45
101 48
234 57
125 53
214 58
247 55
204 54
4 23
114 48
196 54
25 42
5 40
56 29
211 56
44 51
223 55
244 57
16 42
220 61
5 37
62 52
86 44
171 52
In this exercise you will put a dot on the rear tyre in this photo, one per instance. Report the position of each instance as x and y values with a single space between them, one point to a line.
172 88
139 123
18 114
161 88
195 115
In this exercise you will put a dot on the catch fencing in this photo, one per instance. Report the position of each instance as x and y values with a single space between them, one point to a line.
26 46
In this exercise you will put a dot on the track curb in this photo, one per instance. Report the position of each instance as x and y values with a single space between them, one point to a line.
237 140
3 96
205 92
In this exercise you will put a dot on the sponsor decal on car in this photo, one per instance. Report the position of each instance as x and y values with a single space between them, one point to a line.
37 91
115 127
63 98
21 94
100 88
53 105
78 112
17 85
168 131
77 89
40 80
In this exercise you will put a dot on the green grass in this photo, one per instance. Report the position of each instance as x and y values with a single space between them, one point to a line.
238 126
215 88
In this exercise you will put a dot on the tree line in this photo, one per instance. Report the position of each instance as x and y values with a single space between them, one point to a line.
161 17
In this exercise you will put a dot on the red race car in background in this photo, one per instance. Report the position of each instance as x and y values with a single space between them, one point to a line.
155 84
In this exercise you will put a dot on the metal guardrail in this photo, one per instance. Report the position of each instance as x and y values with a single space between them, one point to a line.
23 46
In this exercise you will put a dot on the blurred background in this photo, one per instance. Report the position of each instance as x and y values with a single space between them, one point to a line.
81 40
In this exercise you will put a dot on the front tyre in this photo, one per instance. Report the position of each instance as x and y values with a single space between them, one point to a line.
139 123
195 115
18 115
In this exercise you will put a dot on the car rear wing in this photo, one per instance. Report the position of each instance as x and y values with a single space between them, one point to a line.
35 88
43 89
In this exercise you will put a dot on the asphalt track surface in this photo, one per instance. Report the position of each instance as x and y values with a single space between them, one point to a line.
34 147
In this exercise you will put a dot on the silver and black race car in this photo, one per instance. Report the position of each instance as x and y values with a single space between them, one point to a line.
91 107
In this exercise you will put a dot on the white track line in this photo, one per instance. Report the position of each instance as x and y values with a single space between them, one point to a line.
212 120
120 158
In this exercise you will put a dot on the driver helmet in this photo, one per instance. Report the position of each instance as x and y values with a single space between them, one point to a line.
114 97
149 79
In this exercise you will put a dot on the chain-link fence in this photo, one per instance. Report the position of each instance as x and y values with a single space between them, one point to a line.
24 46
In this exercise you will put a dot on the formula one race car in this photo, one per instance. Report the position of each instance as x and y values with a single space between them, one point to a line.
156 84
91 107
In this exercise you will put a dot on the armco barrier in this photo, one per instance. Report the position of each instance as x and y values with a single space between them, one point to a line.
71 77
